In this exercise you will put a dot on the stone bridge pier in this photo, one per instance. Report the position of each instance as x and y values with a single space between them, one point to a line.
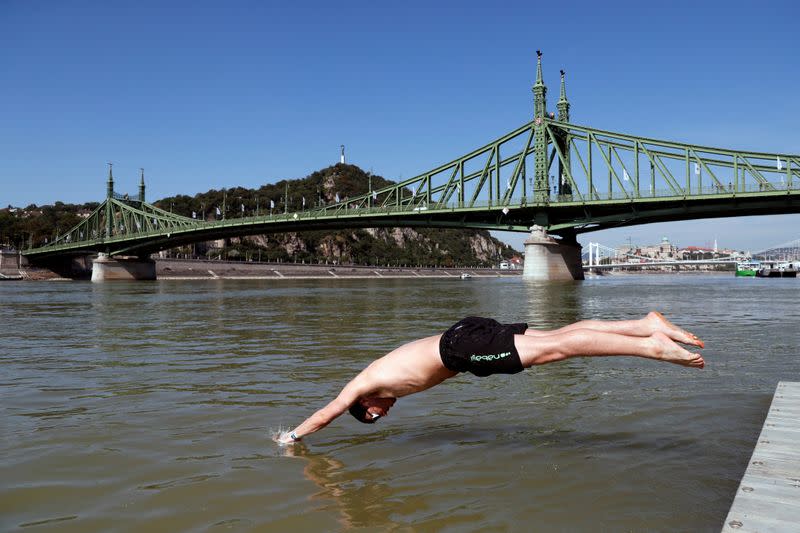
105 268
550 259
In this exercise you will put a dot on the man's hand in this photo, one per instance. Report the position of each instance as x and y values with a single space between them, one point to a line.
286 437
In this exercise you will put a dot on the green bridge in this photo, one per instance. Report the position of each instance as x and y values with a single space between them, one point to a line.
550 174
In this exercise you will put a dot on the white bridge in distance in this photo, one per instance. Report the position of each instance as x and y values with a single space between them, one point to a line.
601 257
784 252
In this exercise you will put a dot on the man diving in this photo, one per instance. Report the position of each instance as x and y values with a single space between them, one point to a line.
483 347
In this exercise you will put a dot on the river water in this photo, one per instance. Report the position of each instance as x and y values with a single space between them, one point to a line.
149 406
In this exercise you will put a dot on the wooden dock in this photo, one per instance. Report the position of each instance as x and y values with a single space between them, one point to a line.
768 498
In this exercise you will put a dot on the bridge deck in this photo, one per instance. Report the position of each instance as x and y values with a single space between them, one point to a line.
768 498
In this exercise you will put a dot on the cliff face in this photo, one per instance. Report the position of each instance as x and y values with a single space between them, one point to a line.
373 246
409 246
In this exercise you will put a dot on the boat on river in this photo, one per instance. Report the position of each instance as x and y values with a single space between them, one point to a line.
776 269
747 268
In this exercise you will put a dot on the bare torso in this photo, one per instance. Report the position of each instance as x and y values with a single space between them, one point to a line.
411 368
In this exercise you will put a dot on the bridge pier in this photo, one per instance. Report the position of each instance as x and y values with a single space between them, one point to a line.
106 268
551 260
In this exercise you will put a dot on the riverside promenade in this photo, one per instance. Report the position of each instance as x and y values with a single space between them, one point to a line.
167 268
211 269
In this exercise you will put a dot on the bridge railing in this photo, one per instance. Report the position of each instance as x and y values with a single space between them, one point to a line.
583 165
129 232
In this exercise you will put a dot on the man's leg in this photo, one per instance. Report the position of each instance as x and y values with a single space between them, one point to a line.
538 350
644 327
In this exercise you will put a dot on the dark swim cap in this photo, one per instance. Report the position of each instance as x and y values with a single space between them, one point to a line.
359 412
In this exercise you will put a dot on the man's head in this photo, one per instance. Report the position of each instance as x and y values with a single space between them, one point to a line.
370 408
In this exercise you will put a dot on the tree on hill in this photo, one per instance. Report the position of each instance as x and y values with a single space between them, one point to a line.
376 246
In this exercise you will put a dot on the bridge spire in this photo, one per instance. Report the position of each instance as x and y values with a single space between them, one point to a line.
141 185
541 182
563 103
109 196
539 90
110 182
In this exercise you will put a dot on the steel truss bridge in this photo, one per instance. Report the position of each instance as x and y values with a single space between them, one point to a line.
565 177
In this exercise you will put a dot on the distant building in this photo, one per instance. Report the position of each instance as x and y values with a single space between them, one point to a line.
696 253
663 251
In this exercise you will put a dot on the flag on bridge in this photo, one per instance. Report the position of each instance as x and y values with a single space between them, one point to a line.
218 211
194 214
337 198
779 162
304 202
624 175
374 195
242 208
697 169
272 204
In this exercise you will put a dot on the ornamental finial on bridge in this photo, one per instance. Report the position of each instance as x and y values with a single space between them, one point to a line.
539 78
563 103
539 90
141 185
110 182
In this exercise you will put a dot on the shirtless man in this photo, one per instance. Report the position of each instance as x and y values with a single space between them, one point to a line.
483 347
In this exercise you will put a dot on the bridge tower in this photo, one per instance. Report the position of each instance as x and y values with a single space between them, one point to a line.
541 183
547 258
105 267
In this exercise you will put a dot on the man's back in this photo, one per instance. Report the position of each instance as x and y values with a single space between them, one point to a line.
411 368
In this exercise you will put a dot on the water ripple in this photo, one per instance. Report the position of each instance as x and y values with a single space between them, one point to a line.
152 404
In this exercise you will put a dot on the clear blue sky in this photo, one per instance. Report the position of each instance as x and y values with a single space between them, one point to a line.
217 94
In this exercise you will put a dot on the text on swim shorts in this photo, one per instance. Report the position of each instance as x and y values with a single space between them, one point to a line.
490 357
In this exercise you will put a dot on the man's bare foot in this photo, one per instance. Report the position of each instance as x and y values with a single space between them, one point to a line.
659 323
665 349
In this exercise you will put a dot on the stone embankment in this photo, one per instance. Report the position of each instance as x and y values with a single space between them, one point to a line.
209 269
202 269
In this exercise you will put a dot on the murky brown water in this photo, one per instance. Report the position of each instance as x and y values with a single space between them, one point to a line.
148 406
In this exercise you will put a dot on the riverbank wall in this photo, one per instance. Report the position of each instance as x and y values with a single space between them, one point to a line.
214 269
210 269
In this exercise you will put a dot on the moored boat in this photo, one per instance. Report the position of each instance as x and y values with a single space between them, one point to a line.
777 270
747 268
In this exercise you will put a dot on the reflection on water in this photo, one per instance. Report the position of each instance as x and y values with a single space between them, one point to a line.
150 405
361 495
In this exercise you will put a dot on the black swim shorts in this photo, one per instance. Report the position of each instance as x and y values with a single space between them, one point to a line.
482 346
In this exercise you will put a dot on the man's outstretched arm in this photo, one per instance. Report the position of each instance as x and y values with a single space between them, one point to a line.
324 416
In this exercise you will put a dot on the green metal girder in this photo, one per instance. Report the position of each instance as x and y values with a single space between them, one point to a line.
450 195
